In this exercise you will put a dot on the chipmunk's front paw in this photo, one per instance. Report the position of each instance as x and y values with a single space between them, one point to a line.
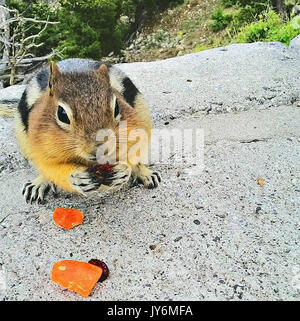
118 177
37 189
145 176
149 181
91 179
84 181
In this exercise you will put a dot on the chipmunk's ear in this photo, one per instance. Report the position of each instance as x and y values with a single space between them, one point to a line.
102 71
54 75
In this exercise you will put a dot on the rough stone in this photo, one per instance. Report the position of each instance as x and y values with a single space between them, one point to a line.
234 253
10 96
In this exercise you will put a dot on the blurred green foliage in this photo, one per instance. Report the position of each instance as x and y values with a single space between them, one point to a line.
268 28
220 19
94 28
39 10
88 28
253 20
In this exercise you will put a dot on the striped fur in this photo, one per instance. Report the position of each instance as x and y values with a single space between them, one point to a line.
39 83
59 155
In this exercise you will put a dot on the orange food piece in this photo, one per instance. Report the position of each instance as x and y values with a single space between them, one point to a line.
260 181
67 217
77 276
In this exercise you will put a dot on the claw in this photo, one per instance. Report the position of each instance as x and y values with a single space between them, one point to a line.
37 190
156 179
146 177
24 188
158 176
27 193
53 188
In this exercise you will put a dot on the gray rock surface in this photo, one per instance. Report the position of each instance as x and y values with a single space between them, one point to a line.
234 78
214 235
295 44
10 96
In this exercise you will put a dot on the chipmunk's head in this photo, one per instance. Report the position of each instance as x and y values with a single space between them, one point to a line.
73 110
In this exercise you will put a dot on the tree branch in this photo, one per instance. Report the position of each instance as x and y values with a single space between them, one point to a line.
34 59
18 45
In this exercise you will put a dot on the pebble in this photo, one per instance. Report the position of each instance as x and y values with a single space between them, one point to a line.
199 206
178 238
258 209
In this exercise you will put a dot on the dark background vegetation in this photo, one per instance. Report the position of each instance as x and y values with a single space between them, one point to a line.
89 28
95 28
135 30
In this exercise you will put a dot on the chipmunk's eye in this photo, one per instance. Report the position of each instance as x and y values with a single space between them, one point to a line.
62 115
117 109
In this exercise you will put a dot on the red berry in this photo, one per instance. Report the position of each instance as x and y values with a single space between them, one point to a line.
103 266
104 168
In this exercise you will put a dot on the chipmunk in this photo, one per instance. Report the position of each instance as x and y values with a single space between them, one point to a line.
60 112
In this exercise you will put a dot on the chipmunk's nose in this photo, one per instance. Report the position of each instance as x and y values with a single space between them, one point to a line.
90 150
94 153
92 156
